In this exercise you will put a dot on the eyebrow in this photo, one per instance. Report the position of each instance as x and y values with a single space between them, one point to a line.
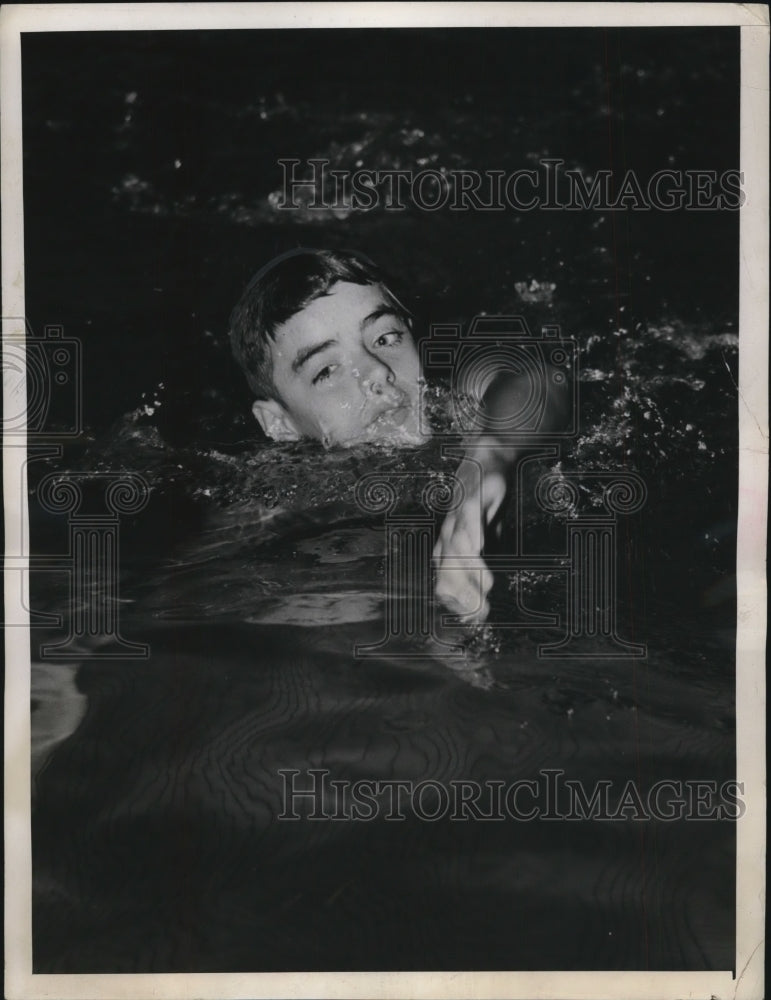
306 353
383 310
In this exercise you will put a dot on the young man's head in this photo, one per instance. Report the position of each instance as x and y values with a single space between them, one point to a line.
327 349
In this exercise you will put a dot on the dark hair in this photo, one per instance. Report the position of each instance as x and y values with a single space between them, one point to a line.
282 288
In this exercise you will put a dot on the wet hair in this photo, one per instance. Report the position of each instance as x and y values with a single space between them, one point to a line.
281 289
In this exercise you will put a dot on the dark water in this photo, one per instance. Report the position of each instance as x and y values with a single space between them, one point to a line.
252 574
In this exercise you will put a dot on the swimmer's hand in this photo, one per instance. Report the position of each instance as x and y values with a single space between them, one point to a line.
463 580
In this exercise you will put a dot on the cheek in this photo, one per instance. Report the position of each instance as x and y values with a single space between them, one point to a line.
305 410
346 412
408 368
337 410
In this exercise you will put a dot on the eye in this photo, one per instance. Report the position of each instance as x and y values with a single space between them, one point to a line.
390 339
324 374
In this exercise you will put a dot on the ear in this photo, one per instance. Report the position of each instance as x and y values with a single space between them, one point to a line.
274 420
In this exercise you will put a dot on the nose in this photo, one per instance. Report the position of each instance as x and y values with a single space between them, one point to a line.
377 384
378 379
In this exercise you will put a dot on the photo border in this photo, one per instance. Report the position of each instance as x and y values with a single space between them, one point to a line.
747 982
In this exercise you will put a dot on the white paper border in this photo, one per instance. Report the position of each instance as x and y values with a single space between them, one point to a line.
20 984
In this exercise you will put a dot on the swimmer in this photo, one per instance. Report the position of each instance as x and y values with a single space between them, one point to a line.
327 348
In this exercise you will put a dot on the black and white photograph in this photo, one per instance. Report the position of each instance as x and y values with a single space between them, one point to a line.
385 450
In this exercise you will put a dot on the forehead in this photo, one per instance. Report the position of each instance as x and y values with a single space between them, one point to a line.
342 310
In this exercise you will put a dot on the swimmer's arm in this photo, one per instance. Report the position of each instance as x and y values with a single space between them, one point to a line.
503 400
483 476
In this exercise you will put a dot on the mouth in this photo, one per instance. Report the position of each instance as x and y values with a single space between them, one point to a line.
396 416
399 425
